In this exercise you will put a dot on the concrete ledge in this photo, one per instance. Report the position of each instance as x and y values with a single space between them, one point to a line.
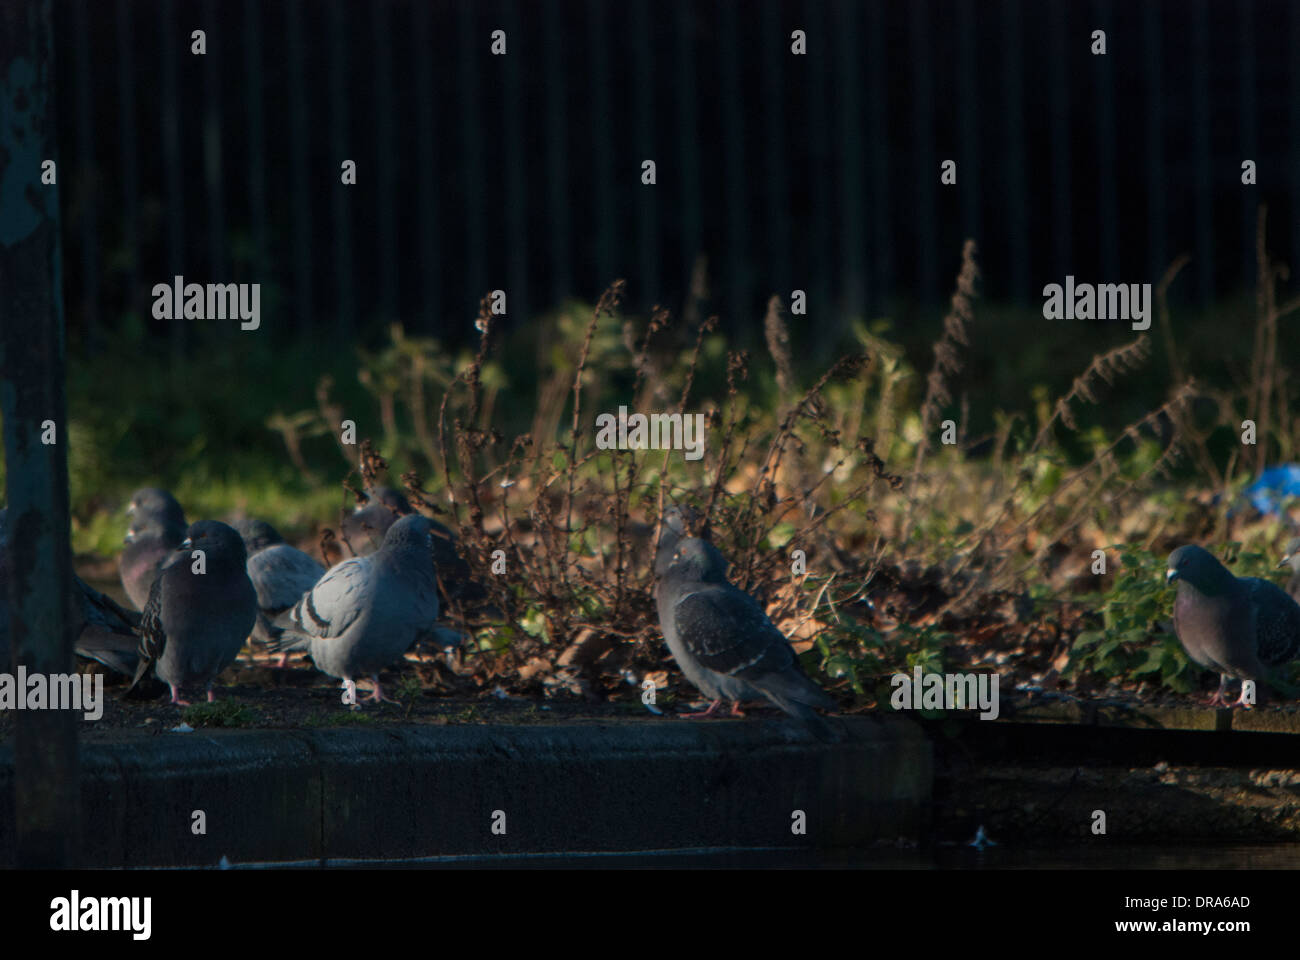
427 790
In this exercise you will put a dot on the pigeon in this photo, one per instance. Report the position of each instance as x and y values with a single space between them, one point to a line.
364 529
196 620
723 640
156 531
105 632
1292 559
366 612
1232 625
281 574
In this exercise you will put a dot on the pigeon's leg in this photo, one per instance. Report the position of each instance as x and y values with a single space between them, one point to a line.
283 661
1218 699
377 695
735 709
713 708
176 697
212 697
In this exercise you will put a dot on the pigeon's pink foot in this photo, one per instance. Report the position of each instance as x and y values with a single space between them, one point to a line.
212 697
176 699
699 714
282 662
1218 700
377 695
735 709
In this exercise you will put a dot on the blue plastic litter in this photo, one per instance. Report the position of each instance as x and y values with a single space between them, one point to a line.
1274 486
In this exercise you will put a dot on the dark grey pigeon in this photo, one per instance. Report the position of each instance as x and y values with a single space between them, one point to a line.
1292 559
364 529
281 574
364 533
156 531
196 622
1235 626
723 640
365 613
106 632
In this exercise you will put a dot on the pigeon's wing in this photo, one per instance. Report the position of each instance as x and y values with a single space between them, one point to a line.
281 575
99 610
727 631
1277 621
337 599
153 636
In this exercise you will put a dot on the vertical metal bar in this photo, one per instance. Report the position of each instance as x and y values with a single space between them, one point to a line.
733 151
557 172
648 198
927 169
1013 110
968 105
172 42
1204 197
384 143
1249 146
130 168
1062 49
473 42
253 93
818 159
212 146
881 252
1157 210
776 44
32 345
84 170
304 237
692 245
1107 202
343 148
516 195
851 168
430 265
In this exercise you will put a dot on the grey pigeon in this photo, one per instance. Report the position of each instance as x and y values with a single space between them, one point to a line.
364 528
281 574
723 640
1232 625
105 632
365 613
1292 559
156 531
196 621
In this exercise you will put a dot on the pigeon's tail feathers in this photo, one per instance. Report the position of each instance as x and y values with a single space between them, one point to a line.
791 686
116 651
796 695
809 719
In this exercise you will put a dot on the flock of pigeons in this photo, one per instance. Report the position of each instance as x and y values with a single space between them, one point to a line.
204 589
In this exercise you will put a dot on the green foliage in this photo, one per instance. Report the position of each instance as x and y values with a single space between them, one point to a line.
222 713
1125 648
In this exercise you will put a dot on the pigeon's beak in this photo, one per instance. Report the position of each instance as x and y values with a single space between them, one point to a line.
1284 562
130 509
186 544
1171 575
130 535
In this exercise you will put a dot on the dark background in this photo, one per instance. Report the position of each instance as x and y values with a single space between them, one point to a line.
523 171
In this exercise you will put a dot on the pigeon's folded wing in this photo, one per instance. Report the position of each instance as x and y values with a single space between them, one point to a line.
1277 621
337 599
727 631
281 574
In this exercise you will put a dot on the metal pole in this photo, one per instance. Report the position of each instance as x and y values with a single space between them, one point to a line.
36 471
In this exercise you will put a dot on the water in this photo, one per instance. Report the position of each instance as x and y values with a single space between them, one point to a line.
1099 855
